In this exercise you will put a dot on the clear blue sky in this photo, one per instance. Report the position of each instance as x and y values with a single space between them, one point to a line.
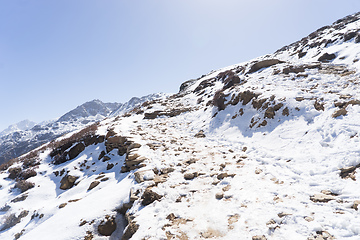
58 54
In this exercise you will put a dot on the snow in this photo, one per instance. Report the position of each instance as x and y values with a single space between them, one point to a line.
247 179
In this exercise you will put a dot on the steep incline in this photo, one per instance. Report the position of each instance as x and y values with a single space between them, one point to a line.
266 149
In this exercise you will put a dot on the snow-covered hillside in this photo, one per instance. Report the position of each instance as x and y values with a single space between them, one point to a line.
26 135
265 149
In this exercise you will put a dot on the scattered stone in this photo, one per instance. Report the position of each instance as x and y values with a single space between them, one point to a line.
348 172
101 155
133 145
319 106
130 230
322 235
108 227
133 197
190 176
258 237
62 205
93 185
356 204
221 176
309 219
285 111
144 175
340 112
106 158
271 222
20 199
326 57
299 99
258 171
282 214
200 134
219 195
269 113
67 182
320 197
149 197
110 166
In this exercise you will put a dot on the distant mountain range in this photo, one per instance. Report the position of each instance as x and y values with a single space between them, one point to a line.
26 135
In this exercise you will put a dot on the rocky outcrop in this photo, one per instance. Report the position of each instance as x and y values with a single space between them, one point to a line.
263 64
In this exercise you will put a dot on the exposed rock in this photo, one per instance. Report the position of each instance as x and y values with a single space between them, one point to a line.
20 198
285 111
258 237
149 197
62 205
14 172
93 185
219 195
133 145
356 204
322 235
108 227
246 96
144 175
131 229
320 197
190 176
200 134
76 150
349 35
348 172
67 182
340 112
319 106
219 100
263 64
326 57
294 69
269 113
109 166
133 197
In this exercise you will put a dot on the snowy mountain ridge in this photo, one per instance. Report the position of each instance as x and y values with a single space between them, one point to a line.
15 142
265 149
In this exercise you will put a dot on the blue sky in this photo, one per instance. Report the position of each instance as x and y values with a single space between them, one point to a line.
56 55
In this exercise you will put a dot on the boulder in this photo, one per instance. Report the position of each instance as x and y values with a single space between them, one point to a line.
76 150
263 64
200 134
149 197
107 227
67 182
130 230
356 204
93 185
326 57
340 112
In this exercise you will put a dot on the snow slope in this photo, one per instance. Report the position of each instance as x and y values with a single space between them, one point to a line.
25 136
265 149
